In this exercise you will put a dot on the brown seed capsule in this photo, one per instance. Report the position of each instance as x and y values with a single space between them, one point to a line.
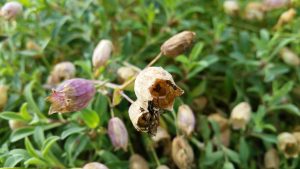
271 159
16 124
11 10
286 17
220 120
162 167
186 120
231 7
144 116
255 11
288 145
61 72
3 96
178 43
240 115
156 85
289 57
102 53
182 153
137 162
94 165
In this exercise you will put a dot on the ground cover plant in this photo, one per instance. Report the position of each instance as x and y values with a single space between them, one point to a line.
150 84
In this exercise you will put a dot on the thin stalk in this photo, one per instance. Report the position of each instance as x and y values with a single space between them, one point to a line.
154 153
175 122
126 97
100 83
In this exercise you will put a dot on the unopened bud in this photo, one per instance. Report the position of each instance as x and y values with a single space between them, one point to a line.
186 119
240 115
178 43
16 124
182 153
286 17
118 133
3 96
162 167
156 85
137 162
274 4
144 116
11 10
102 53
94 165
271 159
61 72
288 145
72 95
255 11
289 57
126 72
161 135
231 7
221 121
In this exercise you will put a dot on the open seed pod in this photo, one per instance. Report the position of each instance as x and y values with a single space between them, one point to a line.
288 145
156 85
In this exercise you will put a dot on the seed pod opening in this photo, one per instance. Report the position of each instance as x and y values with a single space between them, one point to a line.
11 10
137 162
240 115
157 85
271 159
144 116
61 72
3 96
288 145
102 53
94 165
178 43
186 120
72 95
231 7
118 133
182 153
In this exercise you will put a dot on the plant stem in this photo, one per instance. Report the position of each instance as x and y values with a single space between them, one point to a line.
126 97
106 84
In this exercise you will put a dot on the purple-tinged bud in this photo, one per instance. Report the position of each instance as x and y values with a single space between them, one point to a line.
3 96
118 133
288 145
11 10
72 95
182 153
61 72
94 165
186 119
102 53
137 162
162 167
271 159
273 4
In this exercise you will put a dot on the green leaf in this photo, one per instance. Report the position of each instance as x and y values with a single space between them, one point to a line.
35 161
287 107
30 148
21 133
244 151
107 156
233 156
196 51
48 144
13 160
117 98
11 116
71 131
24 113
228 165
90 118
39 136
212 158
203 64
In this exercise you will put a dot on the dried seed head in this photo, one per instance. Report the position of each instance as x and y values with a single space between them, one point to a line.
186 119
240 115
286 17
3 96
220 120
157 85
126 72
11 10
102 53
271 159
162 167
94 165
16 124
137 162
289 57
182 153
72 95
231 7
274 4
255 11
161 135
288 145
61 72
144 116
178 43
118 133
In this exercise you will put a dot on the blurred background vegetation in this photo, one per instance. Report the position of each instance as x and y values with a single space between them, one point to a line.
234 59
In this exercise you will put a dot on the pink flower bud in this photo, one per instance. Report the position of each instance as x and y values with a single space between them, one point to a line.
273 4
102 53
186 120
11 10
94 165
118 133
72 95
